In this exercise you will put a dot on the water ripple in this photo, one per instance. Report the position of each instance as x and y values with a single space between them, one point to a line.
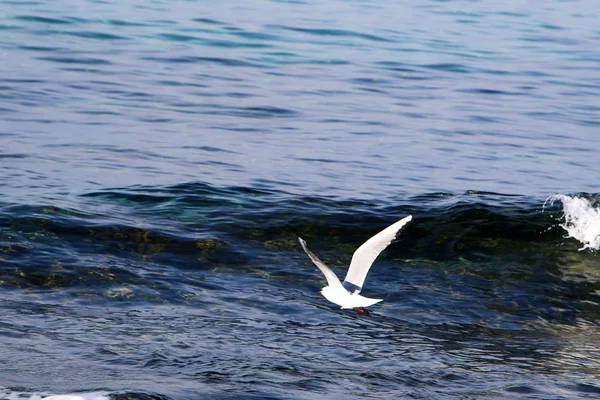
160 160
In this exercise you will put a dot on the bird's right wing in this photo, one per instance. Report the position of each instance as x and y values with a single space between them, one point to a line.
332 279
367 253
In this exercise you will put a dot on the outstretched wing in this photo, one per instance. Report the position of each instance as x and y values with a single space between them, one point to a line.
363 257
332 279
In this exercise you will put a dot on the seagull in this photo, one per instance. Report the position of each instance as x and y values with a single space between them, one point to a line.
346 294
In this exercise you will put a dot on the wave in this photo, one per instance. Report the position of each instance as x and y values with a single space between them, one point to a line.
247 222
582 218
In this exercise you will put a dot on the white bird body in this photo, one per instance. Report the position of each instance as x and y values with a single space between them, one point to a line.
343 298
346 294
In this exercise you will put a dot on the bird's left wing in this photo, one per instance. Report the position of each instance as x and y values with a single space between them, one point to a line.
332 279
363 257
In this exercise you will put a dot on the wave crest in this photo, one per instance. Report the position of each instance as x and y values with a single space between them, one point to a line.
582 219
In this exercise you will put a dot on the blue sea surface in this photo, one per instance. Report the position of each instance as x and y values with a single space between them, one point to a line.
159 159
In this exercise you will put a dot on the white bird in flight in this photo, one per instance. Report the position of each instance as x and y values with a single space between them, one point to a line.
346 294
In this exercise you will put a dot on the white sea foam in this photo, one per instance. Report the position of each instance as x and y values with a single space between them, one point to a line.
7 394
80 396
582 219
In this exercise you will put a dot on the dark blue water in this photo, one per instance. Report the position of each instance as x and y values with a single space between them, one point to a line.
159 159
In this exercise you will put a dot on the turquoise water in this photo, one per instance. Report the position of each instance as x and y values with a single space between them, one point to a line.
159 160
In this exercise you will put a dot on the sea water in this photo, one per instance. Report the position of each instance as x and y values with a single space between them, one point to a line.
159 159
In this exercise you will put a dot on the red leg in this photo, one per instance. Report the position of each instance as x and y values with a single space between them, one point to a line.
361 311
